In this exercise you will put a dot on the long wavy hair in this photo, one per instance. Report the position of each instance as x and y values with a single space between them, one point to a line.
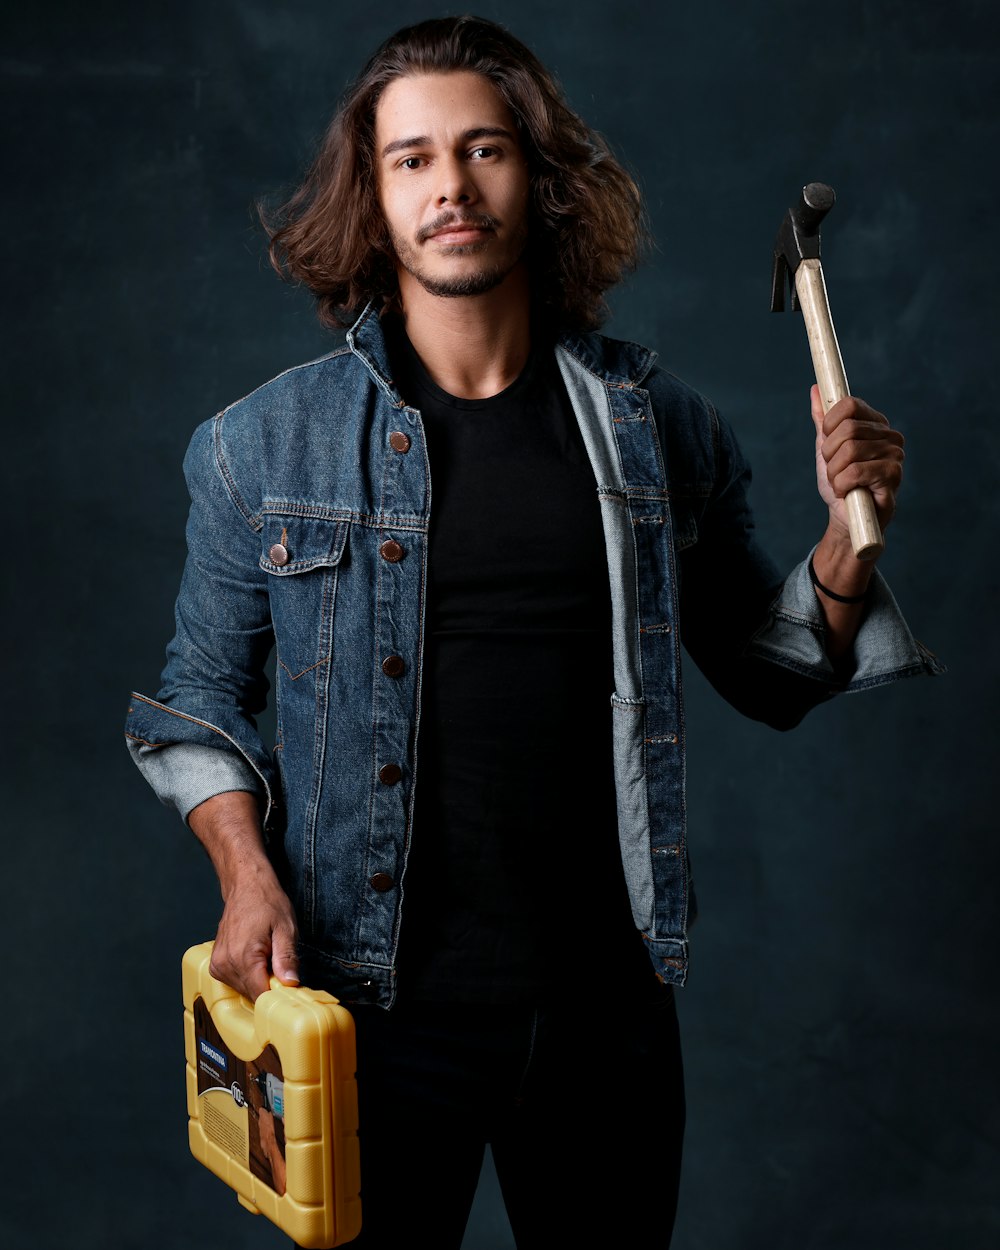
587 225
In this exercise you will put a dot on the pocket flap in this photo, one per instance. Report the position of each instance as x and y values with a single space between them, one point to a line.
296 544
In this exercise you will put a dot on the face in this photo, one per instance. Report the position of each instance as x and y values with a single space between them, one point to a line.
452 181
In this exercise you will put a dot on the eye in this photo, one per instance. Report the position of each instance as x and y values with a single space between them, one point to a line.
482 153
411 162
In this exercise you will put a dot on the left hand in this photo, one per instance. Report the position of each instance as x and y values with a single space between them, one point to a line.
856 446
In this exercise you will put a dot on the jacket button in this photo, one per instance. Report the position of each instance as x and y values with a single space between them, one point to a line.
382 882
391 551
393 666
399 441
389 774
278 555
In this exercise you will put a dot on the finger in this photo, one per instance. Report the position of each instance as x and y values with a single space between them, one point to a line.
244 971
816 407
855 435
850 408
255 981
284 958
864 451
880 477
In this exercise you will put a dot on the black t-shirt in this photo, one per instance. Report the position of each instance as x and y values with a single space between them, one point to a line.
514 851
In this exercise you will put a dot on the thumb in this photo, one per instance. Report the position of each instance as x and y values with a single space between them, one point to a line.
284 960
816 408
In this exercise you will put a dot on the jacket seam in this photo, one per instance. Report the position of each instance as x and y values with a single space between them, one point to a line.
230 482
343 350
252 519
318 512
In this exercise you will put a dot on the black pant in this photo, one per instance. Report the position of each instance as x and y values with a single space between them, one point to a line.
582 1104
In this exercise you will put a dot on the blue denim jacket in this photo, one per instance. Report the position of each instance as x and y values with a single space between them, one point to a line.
308 531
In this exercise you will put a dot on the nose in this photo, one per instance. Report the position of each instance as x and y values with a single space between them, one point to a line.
456 185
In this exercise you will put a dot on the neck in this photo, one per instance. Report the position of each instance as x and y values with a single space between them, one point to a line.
473 346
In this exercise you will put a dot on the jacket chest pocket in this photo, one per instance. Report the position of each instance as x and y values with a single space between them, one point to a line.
302 556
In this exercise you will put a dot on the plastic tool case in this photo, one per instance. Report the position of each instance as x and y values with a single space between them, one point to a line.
272 1101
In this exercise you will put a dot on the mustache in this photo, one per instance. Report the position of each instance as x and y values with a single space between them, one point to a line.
481 221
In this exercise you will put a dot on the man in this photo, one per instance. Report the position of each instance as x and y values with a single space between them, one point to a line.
427 523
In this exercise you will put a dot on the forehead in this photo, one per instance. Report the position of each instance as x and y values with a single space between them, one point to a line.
439 106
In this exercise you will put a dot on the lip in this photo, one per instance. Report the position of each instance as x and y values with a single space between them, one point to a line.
460 234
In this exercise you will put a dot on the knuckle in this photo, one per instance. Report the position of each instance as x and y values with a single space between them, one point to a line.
848 452
221 969
848 479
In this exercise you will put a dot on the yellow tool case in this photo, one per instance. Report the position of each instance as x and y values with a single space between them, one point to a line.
273 1103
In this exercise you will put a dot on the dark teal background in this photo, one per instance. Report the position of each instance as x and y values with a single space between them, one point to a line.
841 1021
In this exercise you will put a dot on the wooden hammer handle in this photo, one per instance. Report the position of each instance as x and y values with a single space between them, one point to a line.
866 535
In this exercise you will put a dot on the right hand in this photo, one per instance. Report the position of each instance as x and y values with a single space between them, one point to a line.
257 935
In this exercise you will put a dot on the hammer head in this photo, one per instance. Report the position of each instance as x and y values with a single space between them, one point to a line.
798 240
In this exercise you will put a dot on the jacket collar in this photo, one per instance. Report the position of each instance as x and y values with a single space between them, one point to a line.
613 361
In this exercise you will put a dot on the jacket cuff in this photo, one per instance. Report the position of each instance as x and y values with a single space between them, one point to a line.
884 650
185 774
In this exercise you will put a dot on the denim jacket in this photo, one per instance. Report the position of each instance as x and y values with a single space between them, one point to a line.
311 501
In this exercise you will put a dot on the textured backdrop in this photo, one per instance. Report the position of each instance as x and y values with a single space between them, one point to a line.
841 1020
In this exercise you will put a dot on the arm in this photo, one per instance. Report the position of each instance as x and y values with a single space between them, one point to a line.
198 737
257 932
197 742
775 649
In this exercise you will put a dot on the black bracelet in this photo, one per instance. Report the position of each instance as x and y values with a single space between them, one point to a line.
832 594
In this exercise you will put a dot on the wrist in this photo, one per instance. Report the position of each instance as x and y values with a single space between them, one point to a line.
246 875
836 568
228 827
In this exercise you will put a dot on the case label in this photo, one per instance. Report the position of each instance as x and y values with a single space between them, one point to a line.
242 1104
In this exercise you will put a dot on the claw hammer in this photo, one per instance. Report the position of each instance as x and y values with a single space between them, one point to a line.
796 254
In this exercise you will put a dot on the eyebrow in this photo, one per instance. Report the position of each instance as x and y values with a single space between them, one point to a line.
420 141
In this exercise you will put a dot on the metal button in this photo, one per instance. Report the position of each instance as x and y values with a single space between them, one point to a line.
391 551
382 882
393 666
389 774
399 441
278 554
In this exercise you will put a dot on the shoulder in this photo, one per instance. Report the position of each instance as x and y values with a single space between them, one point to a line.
274 433
292 395
283 419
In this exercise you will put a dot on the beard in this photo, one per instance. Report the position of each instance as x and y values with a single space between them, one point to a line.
475 282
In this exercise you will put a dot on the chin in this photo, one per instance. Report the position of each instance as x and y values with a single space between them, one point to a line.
455 286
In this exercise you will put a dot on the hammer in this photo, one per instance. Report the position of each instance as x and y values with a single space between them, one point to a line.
796 253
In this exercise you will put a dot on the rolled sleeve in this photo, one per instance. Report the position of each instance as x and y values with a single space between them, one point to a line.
186 774
794 636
